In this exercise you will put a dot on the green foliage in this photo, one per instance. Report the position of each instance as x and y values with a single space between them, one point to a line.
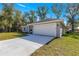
10 19
42 12
57 10
72 12
30 16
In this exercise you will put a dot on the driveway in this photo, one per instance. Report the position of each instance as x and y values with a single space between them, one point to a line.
23 46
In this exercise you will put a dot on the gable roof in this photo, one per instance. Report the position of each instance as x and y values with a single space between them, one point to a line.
48 21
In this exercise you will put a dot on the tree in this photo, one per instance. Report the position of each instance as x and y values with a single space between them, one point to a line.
57 9
11 19
72 12
19 20
77 23
7 13
1 23
42 12
30 16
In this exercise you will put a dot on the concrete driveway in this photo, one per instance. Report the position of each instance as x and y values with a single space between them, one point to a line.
23 46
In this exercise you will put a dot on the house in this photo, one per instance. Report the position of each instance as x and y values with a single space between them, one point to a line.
77 29
68 28
47 28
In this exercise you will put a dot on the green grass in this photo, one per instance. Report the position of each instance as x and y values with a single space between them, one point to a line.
10 35
68 45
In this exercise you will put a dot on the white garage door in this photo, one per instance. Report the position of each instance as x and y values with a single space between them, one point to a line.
45 29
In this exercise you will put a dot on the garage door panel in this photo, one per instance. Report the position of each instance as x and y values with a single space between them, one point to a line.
45 29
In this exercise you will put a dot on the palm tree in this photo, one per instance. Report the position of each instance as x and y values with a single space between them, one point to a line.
42 12
30 16
57 10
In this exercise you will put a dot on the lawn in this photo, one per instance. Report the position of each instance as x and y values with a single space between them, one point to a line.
68 45
10 35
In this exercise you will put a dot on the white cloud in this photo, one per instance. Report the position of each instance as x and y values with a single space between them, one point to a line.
21 5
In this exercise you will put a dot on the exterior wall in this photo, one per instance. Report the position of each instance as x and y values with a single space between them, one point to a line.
61 33
59 30
31 29
45 29
49 29
25 29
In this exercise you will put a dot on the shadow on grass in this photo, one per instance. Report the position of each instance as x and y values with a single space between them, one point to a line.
10 35
21 35
74 35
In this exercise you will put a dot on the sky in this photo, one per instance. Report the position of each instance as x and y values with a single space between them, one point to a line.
33 6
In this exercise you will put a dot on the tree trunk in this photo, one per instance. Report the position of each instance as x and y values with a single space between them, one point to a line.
72 27
6 29
9 29
73 24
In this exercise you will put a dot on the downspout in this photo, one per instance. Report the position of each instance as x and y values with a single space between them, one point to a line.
56 29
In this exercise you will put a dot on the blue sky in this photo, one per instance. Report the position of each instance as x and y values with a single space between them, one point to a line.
33 6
